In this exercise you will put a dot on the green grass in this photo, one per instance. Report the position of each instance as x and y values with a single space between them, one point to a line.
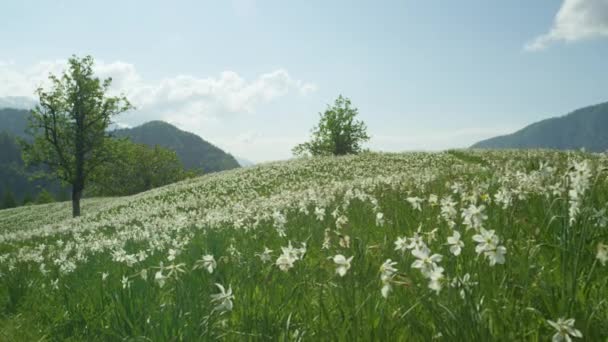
550 269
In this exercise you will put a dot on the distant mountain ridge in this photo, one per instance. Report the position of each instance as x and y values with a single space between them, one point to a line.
193 151
583 128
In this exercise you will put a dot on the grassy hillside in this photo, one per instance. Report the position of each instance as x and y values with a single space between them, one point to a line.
352 248
583 128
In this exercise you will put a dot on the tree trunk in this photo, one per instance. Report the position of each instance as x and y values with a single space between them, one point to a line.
76 195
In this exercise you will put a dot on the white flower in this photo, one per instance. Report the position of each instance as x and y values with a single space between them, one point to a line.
455 243
497 255
436 277
474 216
265 255
344 241
125 282
464 283
172 254
379 219
285 262
602 253
326 239
223 299
160 278
341 221
415 202
343 264
487 240
416 242
401 244
448 211
207 262
320 213
488 245
503 196
433 199
387 272
104 276
565 329
426 262
579 177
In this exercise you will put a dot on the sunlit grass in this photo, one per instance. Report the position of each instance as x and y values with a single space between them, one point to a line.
100 275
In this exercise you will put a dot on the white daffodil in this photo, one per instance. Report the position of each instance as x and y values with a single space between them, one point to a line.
602 253
207 262
265 256
379 219
415 202
320 213
425 261
401 244
342 264
565 329
387 272
497 255
285 262
455 243
473 216
223 300
486 239
488 245
160 279
436 276
125 282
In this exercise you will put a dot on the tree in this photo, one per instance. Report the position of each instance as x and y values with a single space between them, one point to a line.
134 168
69 126
45 197
338 132
8 201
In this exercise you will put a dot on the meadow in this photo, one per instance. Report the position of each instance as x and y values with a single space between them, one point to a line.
450 246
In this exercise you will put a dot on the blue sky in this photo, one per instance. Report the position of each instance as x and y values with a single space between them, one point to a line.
251 76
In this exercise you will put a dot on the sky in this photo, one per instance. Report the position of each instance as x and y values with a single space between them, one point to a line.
252 76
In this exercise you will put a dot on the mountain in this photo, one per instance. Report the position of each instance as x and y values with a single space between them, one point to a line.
17 102
583 128
192 150
244 162
14 176
14 121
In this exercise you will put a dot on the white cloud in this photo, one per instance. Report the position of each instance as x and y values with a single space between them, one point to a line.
183 98
576 20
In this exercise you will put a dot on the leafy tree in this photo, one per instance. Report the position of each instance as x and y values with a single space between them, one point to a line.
27 199
338 132
134 168
69 125
44 197
8 201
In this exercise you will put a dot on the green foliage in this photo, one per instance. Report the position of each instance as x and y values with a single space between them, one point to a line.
134 168
195 153
8 200
69 125
583 128
338 132
97 278
27 199
44 197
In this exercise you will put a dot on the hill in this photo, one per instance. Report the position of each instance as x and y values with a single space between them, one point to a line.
389 247
582 128
192 150
13 121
